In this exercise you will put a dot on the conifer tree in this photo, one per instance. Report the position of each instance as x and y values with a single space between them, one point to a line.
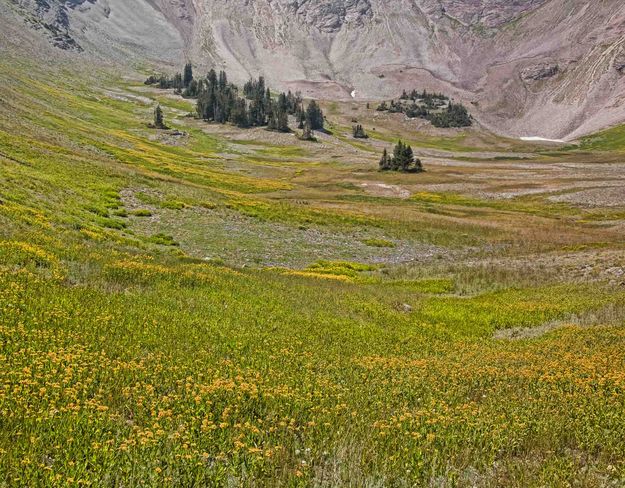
407 158
398 152
223 80
359 132
314 115
158 118
272 123
239 115
402 160
283 121
300 116
385 162
403 157
188 75
307 133
178 82
418 167
212 78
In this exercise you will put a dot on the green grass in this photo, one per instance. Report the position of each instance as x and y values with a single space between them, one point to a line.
379 243
125 361
608 140
163 239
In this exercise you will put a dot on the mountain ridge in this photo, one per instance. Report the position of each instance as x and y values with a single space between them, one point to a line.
552 68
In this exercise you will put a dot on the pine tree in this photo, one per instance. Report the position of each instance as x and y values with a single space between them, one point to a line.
307 133
407 158
300 116
177 82
158 118
278 114
359 132
267 97
385 162
314 115
398 156
280 118
272 123
239 115
188 75
283 103
223 80
418 167
212 78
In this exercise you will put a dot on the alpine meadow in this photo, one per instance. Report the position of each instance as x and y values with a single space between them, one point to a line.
312 244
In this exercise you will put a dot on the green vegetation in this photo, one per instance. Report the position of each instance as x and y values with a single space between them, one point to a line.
402 160
359 133
219 101
435 107
163 239
379 243
158 118
454 115
137 351
608 140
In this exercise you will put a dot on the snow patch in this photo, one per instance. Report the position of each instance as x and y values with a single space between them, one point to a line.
540 139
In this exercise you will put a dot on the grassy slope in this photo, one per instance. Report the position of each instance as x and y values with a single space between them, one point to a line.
126 362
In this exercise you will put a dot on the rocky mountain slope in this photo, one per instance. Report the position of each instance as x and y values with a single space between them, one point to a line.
550 68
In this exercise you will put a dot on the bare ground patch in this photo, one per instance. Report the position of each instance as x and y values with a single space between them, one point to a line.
596 197
385 190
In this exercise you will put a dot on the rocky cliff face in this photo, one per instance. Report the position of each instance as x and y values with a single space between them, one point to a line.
551 68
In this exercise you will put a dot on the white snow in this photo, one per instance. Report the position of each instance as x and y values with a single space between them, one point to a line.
540 139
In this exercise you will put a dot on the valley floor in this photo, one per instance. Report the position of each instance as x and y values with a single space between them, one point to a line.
217 307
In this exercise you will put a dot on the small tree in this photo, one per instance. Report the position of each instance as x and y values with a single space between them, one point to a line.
272 123
359 132
307 133
407 159
418 167
300 116
314 115
398 156
282 120
158 118
385 161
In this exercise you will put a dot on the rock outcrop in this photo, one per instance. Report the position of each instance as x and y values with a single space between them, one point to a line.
539 72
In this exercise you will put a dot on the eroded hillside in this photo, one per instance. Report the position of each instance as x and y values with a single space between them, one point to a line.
550 68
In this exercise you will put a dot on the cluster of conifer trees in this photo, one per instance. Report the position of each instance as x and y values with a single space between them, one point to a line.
455 115
402 160
431 100
435 107
181 82
359 132
222 102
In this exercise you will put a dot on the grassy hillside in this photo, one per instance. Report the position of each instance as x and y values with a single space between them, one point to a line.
237 308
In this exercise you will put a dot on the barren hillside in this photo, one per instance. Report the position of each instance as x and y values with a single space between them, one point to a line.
550 68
